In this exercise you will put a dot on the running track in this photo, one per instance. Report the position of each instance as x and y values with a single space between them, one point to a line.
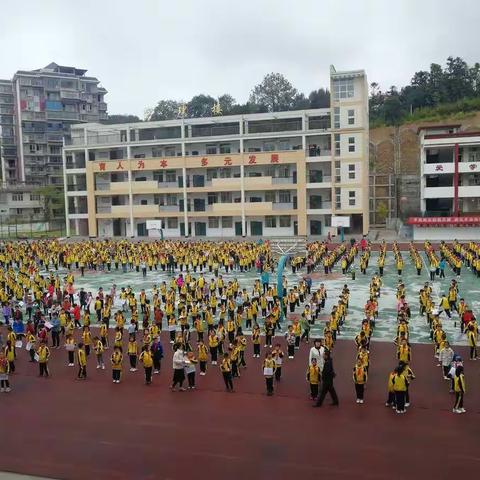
68 429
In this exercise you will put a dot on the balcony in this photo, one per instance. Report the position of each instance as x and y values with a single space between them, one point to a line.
319 209
438 168
283 206
52 115
26 115
82 187
469 191
324 181
54 137
169 208
73 94
148 186
439 192
469 167
318 153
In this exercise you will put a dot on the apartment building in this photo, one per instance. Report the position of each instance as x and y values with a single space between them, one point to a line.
37 108
450 184
263 175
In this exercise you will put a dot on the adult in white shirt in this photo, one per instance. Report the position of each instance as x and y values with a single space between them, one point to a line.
317 352
178 368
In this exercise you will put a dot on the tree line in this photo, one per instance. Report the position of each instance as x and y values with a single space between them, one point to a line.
440 90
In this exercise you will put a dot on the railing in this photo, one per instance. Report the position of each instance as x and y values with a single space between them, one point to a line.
69 94
104 209
7 140
170 208
76 188
113 138
320 206
54 137
282 180
51 114
102 186
213 131
77 164
318 152
321 179
283 206
270 127
318 124
74 211
33 115
168 185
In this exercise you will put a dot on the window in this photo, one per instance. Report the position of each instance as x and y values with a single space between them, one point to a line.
17 197
211 149
172 222
269 147
338 177
226 197
170 176
171 199
211 173
271 222
336 117
227 222
19 211
336 138
224 148
213 222
351 117
270 196
351 172
212 198
343 89
34 197
351 144
285 221
351 198
156 152
338 198
284 197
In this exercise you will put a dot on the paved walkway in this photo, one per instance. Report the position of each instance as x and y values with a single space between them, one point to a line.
16 476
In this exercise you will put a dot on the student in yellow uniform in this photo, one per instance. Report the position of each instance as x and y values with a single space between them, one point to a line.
4 371
459 388
147 360
202 355
313 378
472 341
116 359
226 369
99 349
400 385
133 352
360 376
70 348
10 354
82 362
43 353
268 372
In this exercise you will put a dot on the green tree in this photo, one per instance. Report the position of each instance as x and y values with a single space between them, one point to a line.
200 106
319 98
164 110
275 93
227 102
53 203
382 212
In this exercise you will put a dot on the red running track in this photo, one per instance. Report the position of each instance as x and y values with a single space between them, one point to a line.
63 428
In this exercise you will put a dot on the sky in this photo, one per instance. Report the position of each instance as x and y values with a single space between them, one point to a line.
143 51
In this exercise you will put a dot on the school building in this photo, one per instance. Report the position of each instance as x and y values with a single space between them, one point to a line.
264 175
450 184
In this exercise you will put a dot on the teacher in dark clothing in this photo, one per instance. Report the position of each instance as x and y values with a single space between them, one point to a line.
328 374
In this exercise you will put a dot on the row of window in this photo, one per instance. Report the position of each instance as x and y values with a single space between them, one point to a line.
352 200
283 221
351 144
336 117
18 197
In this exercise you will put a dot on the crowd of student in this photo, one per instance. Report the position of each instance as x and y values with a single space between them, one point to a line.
215 310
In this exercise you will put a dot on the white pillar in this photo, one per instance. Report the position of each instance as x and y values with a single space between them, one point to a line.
130 192
242 180
185 208
64 161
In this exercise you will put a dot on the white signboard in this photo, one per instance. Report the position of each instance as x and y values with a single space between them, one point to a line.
154 224
338 221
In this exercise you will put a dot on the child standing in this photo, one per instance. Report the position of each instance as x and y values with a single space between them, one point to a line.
459 387
278 357
99 349
146 358
290 338
82 362
70 348
132 353
4 371
313 378
268 371
226 369
43 354
190 370
359 379
256 341
116 359
202 354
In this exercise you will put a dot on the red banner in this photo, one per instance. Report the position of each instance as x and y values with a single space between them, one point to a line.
443 221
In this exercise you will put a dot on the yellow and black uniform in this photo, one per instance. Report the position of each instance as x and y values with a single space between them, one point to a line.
43 354
400 385
82 363
313 378
202 354
226 369
132 354
360 376
116 359
459 388
146 358
268 371
472 343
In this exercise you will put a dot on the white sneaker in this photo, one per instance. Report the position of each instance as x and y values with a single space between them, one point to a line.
358 400
462 410
103 367
2 390
455 410
407 404
290 357
214 363
361 401
8 390
98 366
202 374
114 381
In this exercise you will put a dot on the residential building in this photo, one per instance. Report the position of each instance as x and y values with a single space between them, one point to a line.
450 184
37 108
265 175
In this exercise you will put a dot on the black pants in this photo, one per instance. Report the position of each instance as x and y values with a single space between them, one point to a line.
157 364
12 366
43 369
278 373
213 353
227 378
400 400
178 377
314 390
203 366
70 357
32 354
327 388
473 352
234 368
116 374
446 369
55 338
191 379
148 375
269 383
4 384
291 350
133 361
359 389
256 349
82 371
